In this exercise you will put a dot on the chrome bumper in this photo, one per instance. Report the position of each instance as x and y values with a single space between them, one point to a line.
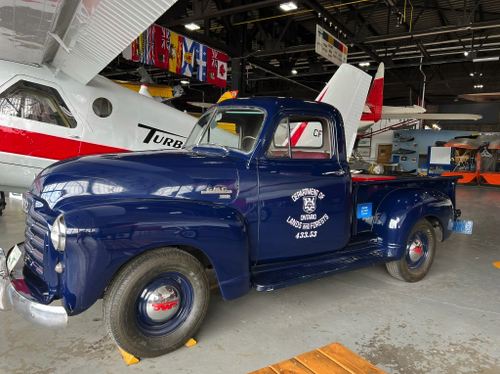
31 310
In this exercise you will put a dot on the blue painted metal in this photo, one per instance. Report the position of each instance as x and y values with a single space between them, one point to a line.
119 205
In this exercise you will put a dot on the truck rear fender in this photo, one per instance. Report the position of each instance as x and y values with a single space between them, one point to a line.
102 239
402 208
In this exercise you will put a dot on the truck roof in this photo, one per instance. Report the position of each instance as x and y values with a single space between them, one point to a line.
273 103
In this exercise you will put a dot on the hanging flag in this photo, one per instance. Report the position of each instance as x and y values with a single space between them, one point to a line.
161 46
187 56
146 46
175 55
166 49
131 52
222 70
200 53
216 67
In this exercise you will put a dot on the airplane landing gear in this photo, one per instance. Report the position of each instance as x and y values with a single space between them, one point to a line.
3 203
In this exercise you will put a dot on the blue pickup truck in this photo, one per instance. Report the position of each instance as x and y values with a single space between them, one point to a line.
261 193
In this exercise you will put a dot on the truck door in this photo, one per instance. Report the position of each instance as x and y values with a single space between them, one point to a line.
304 192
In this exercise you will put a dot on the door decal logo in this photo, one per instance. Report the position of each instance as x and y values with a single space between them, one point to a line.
309 204
309 220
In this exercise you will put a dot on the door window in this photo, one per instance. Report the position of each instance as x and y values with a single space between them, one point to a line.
36 102
301 137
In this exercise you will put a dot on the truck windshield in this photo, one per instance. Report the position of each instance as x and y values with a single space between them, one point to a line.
229 127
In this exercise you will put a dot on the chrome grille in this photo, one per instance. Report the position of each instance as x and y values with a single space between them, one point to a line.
35 234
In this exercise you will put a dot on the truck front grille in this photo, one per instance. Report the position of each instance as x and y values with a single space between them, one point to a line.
35 235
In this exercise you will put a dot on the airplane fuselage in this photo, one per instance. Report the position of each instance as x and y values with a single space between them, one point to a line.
46 117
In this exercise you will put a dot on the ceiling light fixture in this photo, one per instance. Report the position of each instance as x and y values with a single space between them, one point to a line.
288 6
364 64
466 53
184 81
478 86
294 71
192 26
484 59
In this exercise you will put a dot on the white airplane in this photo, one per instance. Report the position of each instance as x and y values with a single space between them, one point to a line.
375 111
53 103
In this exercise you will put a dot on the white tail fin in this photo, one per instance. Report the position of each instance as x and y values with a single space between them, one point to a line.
347 91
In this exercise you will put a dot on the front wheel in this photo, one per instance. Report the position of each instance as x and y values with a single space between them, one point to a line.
156 302
419 254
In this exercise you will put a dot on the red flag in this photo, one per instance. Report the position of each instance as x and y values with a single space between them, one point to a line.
161 49
216 67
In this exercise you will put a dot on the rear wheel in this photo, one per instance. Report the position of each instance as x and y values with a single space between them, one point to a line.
156 302
419 254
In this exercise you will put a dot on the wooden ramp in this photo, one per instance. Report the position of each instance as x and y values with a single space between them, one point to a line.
330 359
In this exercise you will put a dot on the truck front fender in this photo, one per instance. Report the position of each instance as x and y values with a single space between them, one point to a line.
102 238
402 208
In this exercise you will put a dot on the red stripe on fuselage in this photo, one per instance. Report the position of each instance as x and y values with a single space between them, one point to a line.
34 144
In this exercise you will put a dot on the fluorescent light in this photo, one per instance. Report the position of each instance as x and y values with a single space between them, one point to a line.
288 6
478 86
486 59
192 26
184 81
364 64
466 53
294 71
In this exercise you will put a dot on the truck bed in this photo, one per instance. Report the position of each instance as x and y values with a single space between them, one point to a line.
374 189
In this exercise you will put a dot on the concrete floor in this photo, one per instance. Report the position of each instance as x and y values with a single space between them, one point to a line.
447 323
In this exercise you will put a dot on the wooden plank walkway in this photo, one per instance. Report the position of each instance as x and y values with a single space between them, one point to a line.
330 359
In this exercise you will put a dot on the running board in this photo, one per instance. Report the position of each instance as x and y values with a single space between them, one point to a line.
269 277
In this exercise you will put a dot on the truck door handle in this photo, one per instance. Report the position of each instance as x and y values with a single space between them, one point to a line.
335 172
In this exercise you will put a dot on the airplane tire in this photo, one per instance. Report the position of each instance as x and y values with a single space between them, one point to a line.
419 254
156 302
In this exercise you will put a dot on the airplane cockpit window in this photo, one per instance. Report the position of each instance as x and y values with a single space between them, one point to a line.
36 102
301 137
102 107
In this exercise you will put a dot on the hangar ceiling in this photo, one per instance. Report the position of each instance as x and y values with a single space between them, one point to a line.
444 46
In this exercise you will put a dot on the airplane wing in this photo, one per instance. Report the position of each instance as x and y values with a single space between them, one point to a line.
432 116
77 37
482 97
491 141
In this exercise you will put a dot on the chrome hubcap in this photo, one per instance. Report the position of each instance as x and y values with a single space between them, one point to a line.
162 303
416 251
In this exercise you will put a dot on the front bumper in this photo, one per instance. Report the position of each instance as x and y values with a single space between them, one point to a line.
14 293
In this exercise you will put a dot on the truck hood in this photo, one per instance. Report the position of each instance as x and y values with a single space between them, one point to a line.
172 174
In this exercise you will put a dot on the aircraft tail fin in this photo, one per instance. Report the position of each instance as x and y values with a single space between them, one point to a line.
375 97
347 91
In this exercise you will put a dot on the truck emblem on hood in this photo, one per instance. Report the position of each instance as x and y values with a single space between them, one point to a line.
216 190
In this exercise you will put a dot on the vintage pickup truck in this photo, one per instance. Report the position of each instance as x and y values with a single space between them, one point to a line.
262 194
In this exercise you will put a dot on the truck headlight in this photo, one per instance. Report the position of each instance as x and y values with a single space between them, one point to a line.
58 234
